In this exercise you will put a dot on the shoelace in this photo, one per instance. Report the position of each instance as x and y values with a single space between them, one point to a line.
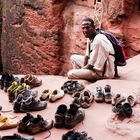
48 135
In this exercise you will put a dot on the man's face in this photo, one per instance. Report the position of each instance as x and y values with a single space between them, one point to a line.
88 30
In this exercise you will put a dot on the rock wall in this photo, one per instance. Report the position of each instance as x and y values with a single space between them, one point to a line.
39 36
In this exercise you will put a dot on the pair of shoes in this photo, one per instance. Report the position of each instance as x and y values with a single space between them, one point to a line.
123 110
83 99
6 80
33 125
73 135
52 95
32 80
118 98
17 137
14 89
68 118
103 95
131 99
8 121
28 103
72 87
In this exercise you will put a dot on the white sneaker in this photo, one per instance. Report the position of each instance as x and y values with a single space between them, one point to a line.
55 95
45 94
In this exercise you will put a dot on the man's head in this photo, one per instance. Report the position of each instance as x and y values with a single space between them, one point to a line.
88 27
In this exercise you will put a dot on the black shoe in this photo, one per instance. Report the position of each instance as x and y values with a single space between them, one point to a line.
17 137
127 109
74 116
60 116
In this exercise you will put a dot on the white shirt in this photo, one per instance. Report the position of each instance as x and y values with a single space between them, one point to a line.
98 51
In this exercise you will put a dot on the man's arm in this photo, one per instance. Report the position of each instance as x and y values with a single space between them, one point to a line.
86 60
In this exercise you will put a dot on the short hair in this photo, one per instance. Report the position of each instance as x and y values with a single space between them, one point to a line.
89 20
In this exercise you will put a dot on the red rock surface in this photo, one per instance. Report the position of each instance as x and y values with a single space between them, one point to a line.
39 36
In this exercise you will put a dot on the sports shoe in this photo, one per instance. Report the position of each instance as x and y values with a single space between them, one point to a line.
11 91
38 124
76 98
118 109
32 105
127 109
117 99
74 116
45 94
55 95
68 135
32 81
60 116
72 87
87 99
99 95
131 99
17 137
22 126
108 94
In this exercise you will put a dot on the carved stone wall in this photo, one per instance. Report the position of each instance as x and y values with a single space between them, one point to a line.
39 36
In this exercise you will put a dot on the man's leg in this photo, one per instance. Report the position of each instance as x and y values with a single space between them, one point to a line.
77 61
83 74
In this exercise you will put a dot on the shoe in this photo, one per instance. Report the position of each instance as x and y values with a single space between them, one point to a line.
55 95
17 103
0 107
117 99
72 87
131 99
32 81
8 122
76 98
20 89
29 93
127 110
60 116
107 94
68 135
99 95
17 137
118 109
74 116
38 124
87 99
45 94
22 126
11 91
6 80
32 105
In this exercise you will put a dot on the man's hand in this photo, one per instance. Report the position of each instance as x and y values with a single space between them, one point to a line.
88 66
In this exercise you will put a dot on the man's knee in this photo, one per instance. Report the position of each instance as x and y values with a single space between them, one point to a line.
73 57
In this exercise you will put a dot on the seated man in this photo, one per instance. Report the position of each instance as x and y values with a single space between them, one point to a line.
97 63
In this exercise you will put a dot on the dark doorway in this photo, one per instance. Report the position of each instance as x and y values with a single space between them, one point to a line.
139 5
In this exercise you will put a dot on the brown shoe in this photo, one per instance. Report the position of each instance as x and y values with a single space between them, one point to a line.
32 81
87 99
76 98
38 124
22 126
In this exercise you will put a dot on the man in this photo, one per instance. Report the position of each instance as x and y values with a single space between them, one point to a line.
97 63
